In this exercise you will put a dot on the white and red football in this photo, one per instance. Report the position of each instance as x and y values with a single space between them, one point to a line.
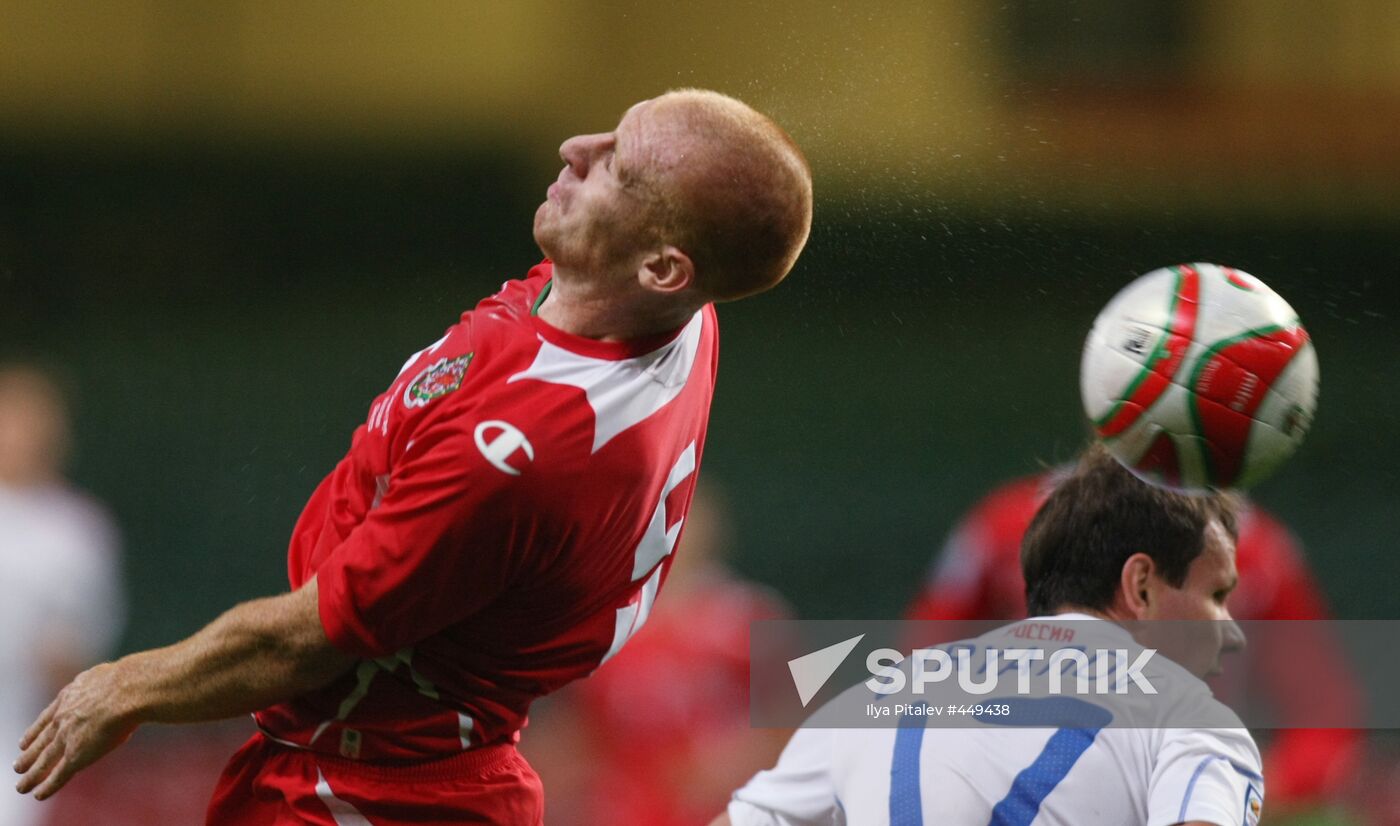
1199 376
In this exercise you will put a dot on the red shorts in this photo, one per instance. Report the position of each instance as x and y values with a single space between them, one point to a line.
267 784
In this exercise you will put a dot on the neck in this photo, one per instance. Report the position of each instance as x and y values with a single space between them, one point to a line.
1107 614
608 312
19 478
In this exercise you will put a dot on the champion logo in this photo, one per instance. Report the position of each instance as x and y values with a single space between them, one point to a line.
499 441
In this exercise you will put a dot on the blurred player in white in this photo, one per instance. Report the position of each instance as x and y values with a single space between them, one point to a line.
60 594
1104 549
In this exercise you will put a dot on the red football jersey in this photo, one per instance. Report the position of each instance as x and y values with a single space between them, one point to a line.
500 526
978 577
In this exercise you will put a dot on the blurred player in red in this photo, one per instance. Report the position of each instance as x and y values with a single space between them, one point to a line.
978 577
504 518
665 727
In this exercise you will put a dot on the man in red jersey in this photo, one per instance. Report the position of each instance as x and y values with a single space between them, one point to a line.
504 518
978 577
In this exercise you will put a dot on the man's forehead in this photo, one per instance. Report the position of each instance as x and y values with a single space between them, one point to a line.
1219 546
631 120
642 141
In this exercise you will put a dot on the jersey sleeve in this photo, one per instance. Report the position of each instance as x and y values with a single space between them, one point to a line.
440 544
796 792
1206 775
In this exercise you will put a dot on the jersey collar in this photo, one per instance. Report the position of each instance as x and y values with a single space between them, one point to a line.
592 347
1106 626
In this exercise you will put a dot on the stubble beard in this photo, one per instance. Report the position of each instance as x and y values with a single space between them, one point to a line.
600 248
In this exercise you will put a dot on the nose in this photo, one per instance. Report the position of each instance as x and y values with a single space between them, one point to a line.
1232 637
579 152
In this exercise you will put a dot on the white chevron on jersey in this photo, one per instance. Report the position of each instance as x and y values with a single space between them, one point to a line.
621 392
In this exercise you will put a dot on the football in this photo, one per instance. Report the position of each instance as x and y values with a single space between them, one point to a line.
1199 377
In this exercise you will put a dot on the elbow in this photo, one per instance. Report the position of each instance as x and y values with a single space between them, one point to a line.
282 633
313 660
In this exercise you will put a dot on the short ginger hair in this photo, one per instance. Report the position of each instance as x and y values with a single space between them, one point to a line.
738 200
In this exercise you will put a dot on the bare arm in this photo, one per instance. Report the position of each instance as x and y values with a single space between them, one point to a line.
256 654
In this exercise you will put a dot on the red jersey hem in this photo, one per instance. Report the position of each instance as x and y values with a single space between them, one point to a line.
474 761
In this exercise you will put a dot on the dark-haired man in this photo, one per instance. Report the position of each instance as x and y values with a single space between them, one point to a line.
504 518
977 576
1106 553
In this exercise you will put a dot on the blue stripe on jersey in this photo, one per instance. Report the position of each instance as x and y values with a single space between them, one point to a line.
906 798
1036 781
1200 767
1031 786
1242 770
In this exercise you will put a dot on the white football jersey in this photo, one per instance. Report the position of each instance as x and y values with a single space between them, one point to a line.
1138 772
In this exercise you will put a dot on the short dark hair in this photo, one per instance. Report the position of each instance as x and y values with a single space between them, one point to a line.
1072 554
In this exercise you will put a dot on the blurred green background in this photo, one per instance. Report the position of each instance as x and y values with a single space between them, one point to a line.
231 224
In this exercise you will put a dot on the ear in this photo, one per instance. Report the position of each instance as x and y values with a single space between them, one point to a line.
1134 585
668 271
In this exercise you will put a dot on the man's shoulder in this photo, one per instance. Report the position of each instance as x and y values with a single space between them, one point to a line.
517 297
501 373
506 312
